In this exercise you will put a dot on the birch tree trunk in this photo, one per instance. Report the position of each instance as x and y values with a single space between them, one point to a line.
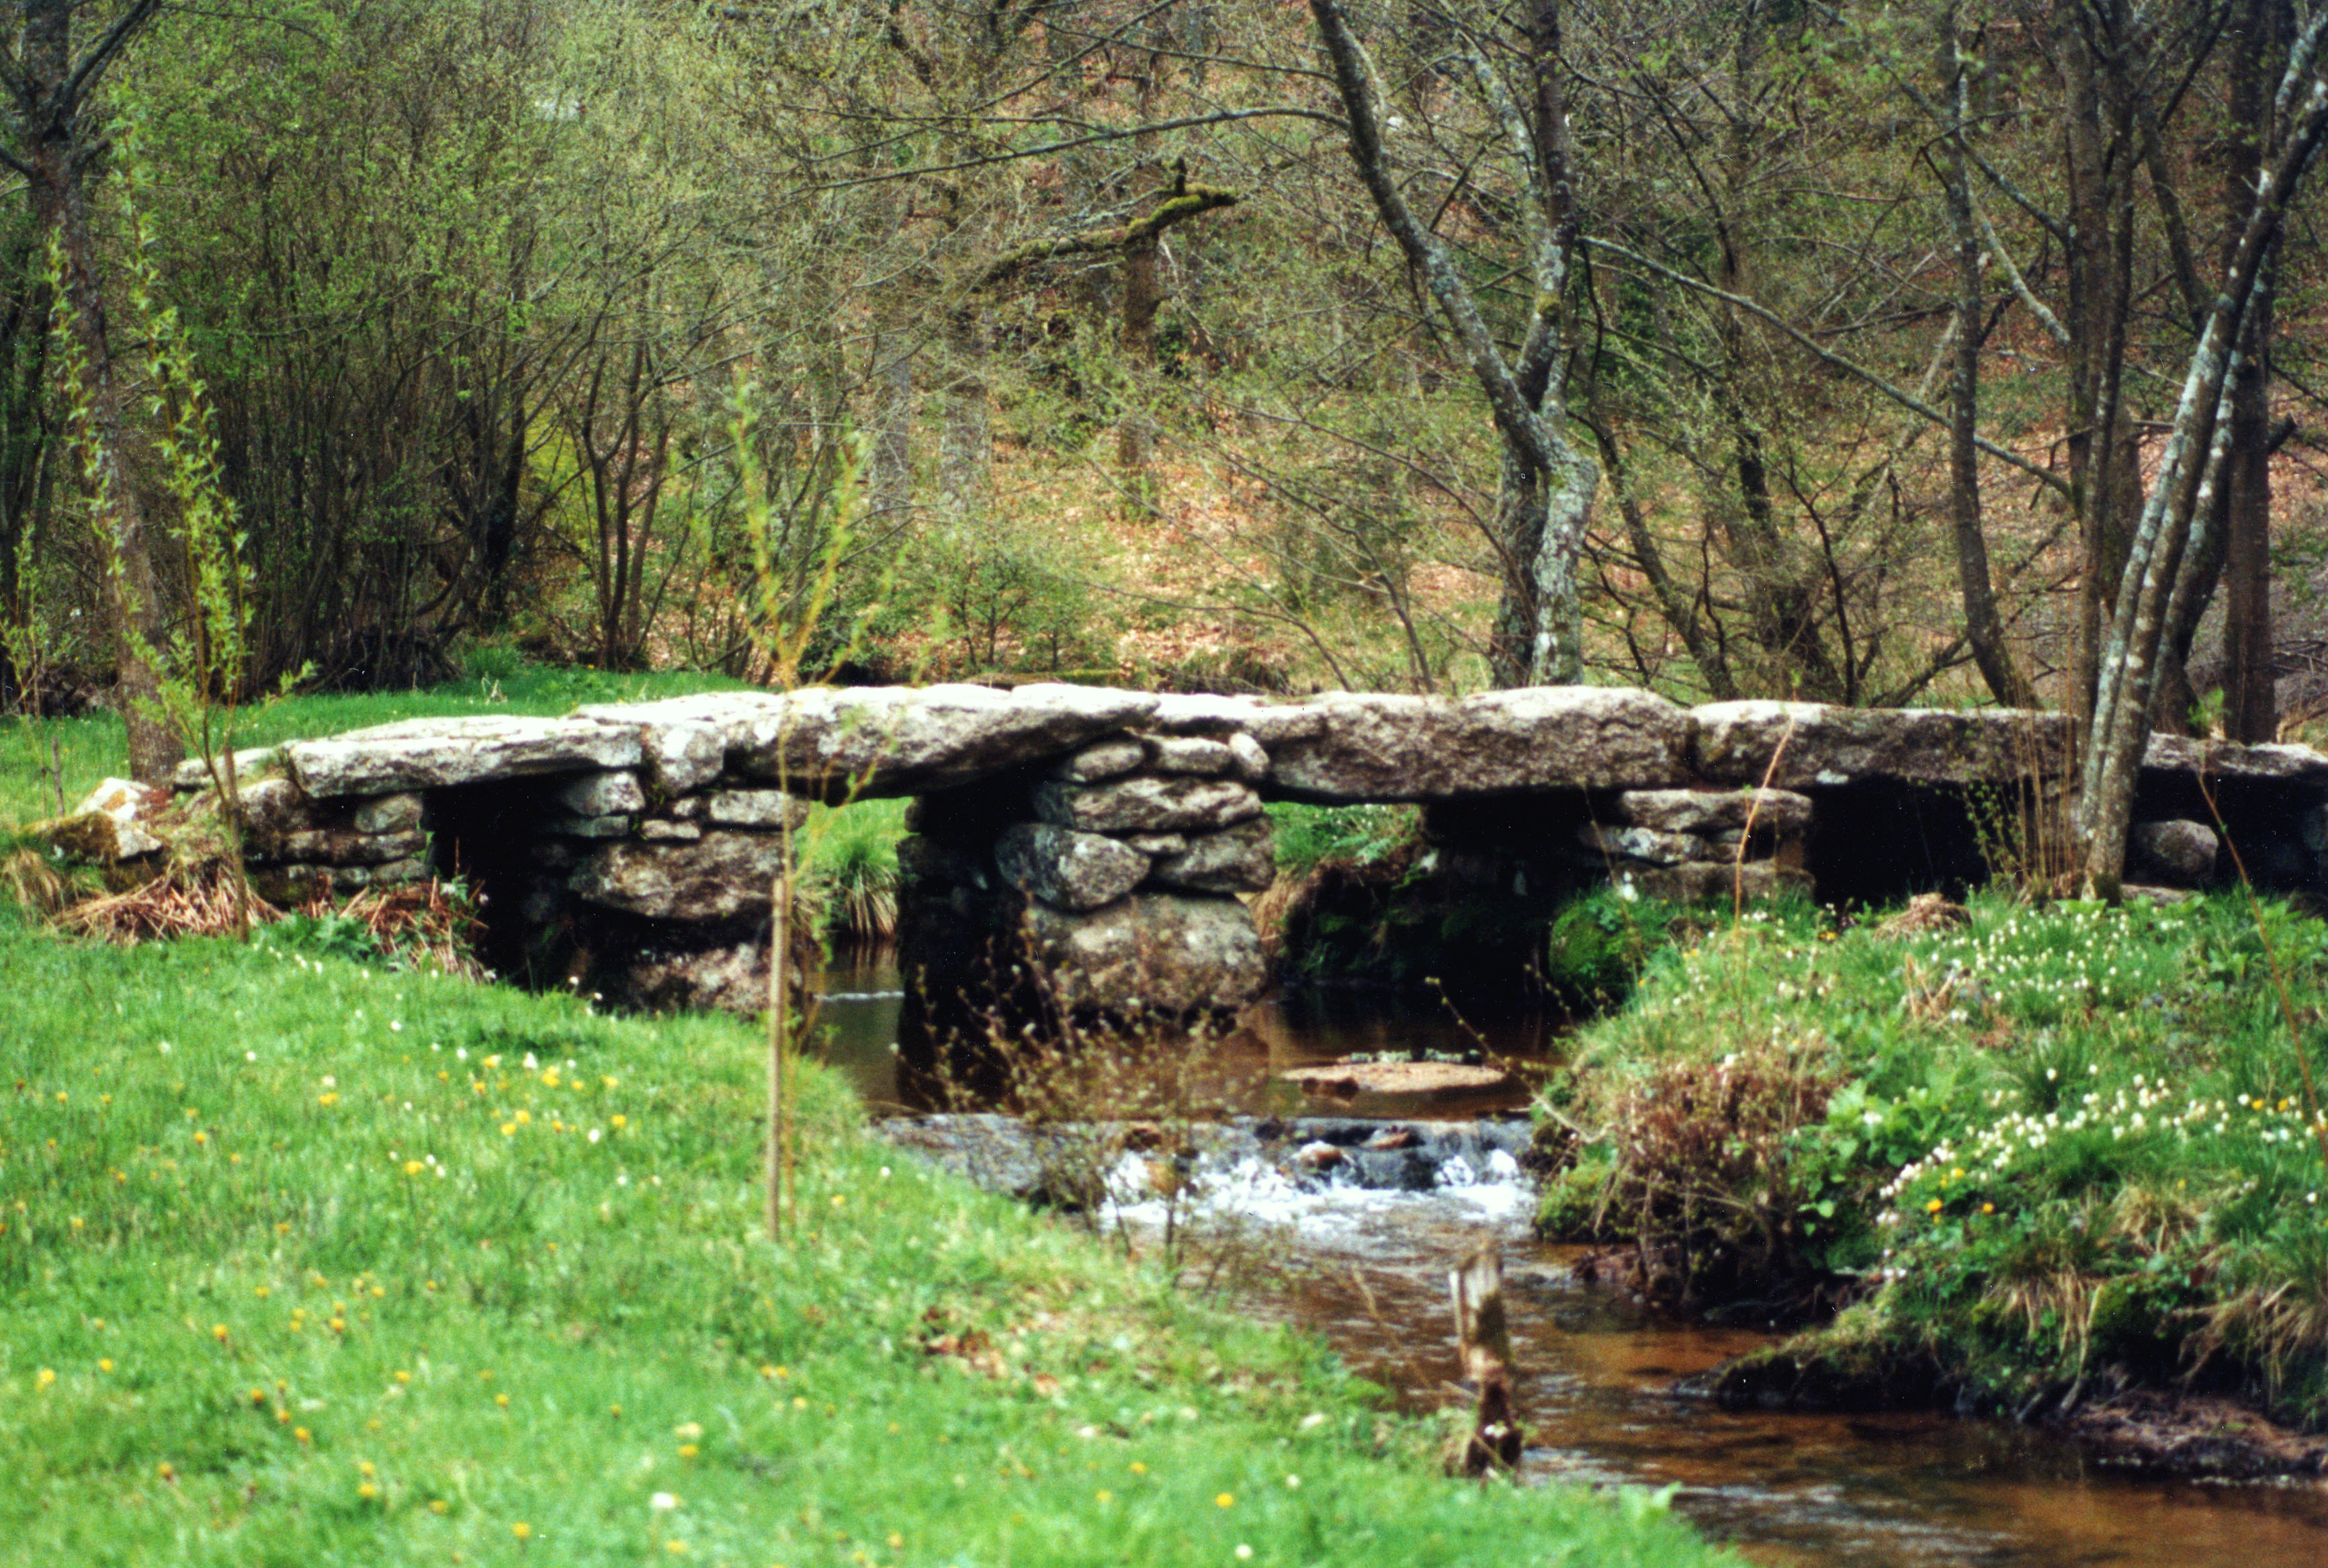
2188 471
1544 501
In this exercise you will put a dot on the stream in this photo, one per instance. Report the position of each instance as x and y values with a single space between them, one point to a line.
1361 1267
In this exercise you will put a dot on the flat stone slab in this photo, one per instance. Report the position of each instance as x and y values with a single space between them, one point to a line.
2214 759
436 752
1814 743
836 742
1705 811
194 774
1267 720
1382 747
1147 804
1415 1080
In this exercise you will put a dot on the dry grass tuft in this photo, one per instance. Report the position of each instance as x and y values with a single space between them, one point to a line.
417 925
194 896
33 879
1926 913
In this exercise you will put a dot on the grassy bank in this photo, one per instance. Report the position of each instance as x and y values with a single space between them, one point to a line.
306 1261
2043 1152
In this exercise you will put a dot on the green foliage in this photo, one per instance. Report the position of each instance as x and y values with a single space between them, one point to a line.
2057 1138
985 598
1600 944
850 867
1308 836
304 1262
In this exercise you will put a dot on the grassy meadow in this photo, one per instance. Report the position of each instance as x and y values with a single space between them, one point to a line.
307 1259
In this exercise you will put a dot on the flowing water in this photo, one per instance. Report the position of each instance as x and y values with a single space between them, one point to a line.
1366 1272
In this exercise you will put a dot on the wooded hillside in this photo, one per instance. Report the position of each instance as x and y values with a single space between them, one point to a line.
1860 354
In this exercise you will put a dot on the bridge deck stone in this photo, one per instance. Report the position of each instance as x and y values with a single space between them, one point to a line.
1814 745
1383 748
437 752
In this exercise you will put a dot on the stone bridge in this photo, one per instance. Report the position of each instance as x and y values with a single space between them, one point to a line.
1086 849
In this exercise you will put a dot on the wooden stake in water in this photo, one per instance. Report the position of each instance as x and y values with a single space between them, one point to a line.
1483 1331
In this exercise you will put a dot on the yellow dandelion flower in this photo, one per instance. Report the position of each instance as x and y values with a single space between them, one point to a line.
502 1400
218 1332
508 1128
414 1168
1226 1500
366 1469
688 1450
522 1530
404 1377
330 1097
367 1491
439 1506
47 1376
302 1435
105 1364
523 1118
1933 1206
1139 1468
619 1121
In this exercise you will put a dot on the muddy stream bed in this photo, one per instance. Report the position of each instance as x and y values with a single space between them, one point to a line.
1365 1268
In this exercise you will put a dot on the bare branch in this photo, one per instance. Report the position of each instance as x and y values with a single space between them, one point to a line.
1899 395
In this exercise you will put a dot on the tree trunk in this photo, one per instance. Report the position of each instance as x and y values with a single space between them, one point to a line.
1984 631
890 478
57 168
1144 285
2103 473
966 441
2250 688
2190 469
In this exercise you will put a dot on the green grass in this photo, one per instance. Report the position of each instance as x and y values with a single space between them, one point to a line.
309 1262
2052 1144
91 748
849 860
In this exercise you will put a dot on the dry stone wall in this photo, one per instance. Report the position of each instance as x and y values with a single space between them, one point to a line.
1092 850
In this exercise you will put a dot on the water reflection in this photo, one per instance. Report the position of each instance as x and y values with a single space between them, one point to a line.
863 994
1919 1489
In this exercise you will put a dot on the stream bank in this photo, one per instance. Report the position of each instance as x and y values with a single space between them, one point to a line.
1614 1390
